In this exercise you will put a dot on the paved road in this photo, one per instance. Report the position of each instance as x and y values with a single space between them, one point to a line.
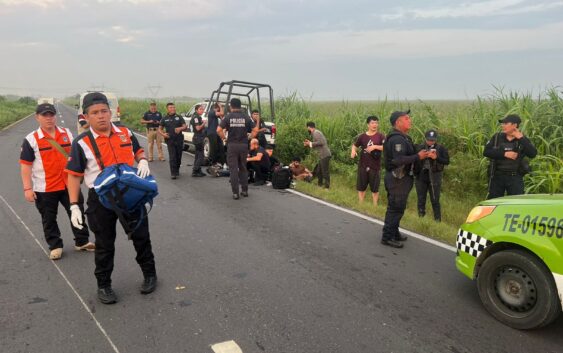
274 272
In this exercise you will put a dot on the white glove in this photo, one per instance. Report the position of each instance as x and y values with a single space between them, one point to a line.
76 216
143 168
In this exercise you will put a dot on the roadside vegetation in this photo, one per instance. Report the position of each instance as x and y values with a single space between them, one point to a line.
13 110
464 128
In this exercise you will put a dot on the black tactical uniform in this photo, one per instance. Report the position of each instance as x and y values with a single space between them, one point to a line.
238 124
507 175
198 140
428 176
400 157
175 142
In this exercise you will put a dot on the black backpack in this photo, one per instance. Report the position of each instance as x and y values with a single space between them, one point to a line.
281 178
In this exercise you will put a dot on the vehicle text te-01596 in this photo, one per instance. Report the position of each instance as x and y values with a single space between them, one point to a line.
533 225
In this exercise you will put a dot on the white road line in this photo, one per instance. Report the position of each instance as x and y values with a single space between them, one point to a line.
226 347
104 333
362 216
375 220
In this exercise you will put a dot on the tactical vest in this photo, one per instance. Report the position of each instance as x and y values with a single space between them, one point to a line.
506 164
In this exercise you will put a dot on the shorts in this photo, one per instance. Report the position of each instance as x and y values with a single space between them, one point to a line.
367 177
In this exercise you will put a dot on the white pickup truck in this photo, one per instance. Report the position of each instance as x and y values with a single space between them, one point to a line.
188 134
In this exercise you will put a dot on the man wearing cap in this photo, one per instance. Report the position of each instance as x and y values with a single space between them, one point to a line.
239 125
428 174
115 145
400 156
319 145
507 151
171 127
369 166
151 119
43 157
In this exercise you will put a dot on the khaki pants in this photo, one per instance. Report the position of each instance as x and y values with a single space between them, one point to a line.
152 136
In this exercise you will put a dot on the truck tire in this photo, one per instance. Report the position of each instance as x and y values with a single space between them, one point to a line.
518 290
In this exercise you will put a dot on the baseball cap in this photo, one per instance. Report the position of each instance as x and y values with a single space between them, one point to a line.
45 108
396 115
94 98
431 135
513 118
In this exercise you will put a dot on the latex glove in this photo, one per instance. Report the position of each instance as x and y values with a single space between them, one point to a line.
76 216
143 168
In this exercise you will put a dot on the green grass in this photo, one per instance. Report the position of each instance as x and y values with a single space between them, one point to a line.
464 128
11 111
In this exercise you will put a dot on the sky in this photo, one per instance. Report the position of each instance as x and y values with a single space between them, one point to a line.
321 49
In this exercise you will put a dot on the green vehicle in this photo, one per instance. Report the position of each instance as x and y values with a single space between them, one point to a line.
513 247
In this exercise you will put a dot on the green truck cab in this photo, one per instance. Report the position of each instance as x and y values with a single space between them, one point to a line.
513 247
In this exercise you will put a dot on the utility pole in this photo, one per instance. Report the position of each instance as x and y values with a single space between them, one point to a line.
153 90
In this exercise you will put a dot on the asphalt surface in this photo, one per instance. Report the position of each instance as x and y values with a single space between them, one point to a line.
274 272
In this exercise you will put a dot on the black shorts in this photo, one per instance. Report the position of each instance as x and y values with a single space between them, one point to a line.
369 177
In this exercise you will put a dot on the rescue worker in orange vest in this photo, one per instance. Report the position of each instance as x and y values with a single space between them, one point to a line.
43 158
116 145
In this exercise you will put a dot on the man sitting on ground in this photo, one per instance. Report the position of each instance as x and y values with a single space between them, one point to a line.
259 162
299 171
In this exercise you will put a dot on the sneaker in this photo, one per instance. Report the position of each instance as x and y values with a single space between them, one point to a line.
107 295
149 285
392 243
401 237
174 177
89 246
56 254
244 193
236 196
198 174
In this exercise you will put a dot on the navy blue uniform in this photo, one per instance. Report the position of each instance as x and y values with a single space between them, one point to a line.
238 124
175 142
400 157
198 140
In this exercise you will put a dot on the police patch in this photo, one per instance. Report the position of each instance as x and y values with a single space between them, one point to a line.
65 139
123 138
398 147
177 119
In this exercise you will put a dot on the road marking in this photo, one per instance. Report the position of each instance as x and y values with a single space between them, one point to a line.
375 220
104 333
226 347
360 215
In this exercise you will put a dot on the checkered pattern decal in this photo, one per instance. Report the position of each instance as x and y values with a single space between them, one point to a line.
470 243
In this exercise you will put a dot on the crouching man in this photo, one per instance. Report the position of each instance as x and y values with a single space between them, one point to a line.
115 145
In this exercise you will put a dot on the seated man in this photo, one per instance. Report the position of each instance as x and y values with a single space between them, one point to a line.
259 162
274 162
299 171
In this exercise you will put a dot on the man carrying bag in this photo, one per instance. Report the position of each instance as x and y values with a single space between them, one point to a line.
116 145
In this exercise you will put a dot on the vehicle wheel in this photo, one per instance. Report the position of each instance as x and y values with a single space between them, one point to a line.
518 290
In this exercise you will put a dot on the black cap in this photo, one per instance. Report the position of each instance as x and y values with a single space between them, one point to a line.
45 108
396 115
513 118
431 135
94 98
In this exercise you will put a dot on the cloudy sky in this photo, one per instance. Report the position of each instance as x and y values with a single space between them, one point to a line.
323 49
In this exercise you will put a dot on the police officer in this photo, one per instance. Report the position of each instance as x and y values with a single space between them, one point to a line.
198 129
216 146
400 157
238 124
151 119
116 145
428 174
507 151
43 157
171 127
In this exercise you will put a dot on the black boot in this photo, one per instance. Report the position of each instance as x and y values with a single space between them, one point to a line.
107 295
149 285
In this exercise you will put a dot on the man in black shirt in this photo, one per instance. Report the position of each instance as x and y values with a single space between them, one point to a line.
198 129
238 124
429 172
152 121
507 150
259 162
171 127
262 129
400 156
216 146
